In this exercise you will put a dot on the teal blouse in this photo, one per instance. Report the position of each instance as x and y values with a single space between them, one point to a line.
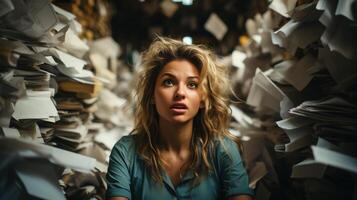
128 177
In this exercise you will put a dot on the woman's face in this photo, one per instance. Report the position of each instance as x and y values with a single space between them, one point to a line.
176 95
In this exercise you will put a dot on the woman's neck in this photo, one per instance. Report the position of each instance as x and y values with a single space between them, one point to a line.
175 137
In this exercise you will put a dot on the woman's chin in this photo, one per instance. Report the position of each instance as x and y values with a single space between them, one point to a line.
180 119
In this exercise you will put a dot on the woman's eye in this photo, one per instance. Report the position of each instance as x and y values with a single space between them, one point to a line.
168 82
192 85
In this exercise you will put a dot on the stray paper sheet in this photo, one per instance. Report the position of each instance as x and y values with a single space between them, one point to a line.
334 159
216 26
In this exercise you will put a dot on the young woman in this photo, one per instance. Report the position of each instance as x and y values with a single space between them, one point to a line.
180 147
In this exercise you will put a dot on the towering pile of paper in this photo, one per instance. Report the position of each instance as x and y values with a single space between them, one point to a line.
52 83
296 70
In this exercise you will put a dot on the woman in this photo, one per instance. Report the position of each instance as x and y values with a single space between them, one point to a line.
180 147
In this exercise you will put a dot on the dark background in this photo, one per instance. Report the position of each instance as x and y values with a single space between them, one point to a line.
134 23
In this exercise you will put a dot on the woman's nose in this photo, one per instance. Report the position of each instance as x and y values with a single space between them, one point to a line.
180 92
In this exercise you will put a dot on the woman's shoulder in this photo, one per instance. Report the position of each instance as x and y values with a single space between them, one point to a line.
126 144
225 143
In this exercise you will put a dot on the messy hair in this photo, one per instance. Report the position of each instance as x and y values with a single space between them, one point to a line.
210 124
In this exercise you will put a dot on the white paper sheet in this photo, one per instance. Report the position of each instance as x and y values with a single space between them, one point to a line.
106 46
335 159
308 169
31 18
69 60
298 131
296 72
110 137
283 6
264 93
345 7
27 107
40 180
216 26
237 58
55 155
11 132
74 45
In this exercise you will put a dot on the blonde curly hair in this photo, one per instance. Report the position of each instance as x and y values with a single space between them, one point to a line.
211 122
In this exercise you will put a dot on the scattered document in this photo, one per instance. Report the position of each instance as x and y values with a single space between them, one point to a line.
298 130
216 26
283 7
30 18
332 110
308 169
296 72
110 137
39 179
264 93
10 132
306 12
74 45
335 159
345 8
69 60
238 58
55 155
26 108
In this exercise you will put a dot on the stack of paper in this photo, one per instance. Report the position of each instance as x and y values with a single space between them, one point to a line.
49 94
27 20
93 18
24 28
340 27
297 34
253 67
309 79
256 138
33 164
295 72
113 109
103 56
299 131
333 109
264 94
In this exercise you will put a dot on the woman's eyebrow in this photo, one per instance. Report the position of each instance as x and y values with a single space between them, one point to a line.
193 77
173 76
167 74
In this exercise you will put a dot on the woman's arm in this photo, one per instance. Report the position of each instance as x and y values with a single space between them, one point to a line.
234 176
118 176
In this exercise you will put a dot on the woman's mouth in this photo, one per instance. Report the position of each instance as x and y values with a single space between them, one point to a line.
178 108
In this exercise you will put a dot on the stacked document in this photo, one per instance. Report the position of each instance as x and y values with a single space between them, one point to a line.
264 94
33 164
298 130
51 83
297 69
